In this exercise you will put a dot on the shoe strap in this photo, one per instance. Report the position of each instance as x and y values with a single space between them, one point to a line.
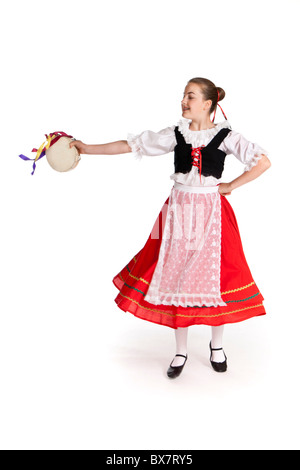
180 355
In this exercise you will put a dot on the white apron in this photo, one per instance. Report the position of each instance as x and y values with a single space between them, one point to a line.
188 269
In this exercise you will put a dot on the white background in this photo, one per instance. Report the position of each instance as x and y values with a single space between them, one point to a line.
75 371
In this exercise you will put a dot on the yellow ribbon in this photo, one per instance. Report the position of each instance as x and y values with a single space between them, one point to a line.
47 142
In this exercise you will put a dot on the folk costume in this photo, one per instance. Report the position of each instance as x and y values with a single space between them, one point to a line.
192 270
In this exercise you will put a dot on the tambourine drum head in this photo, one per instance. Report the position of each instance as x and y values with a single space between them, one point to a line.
61 157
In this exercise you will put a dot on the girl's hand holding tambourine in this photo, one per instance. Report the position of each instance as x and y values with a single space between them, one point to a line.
81 147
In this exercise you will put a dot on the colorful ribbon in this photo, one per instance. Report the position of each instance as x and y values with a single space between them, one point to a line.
41 151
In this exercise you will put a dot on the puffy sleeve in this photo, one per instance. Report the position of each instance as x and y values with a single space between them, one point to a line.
248 153
151 143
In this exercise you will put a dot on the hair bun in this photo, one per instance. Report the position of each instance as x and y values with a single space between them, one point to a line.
221 93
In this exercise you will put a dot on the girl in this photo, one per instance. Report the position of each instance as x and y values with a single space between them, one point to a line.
192 269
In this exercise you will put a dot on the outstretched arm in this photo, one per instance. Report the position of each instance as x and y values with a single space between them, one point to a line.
262 165
112 148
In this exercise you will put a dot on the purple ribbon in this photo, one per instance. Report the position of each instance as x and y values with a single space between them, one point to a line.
34 164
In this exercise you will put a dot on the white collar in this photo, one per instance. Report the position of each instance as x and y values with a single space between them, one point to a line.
195 138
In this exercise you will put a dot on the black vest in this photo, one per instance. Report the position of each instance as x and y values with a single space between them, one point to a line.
212 158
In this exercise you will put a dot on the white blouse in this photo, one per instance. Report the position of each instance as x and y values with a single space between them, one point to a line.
151 143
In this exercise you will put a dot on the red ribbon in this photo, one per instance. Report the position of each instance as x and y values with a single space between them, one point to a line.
59 135
219 107
197 158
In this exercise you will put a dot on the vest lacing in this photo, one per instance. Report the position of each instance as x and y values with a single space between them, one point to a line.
197 158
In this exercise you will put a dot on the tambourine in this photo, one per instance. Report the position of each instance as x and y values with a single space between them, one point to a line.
58 152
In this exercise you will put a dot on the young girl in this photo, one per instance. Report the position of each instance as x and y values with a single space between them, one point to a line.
192 269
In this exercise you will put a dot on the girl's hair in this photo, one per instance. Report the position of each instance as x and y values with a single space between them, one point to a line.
209 91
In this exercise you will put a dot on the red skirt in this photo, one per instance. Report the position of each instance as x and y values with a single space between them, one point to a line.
238 290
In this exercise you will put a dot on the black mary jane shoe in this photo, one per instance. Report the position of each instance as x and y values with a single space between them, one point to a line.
218 366
174 372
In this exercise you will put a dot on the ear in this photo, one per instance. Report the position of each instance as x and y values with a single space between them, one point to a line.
207 105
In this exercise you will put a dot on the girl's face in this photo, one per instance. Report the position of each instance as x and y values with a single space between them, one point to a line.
193 105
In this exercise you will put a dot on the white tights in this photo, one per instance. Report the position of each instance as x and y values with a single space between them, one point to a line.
181 335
